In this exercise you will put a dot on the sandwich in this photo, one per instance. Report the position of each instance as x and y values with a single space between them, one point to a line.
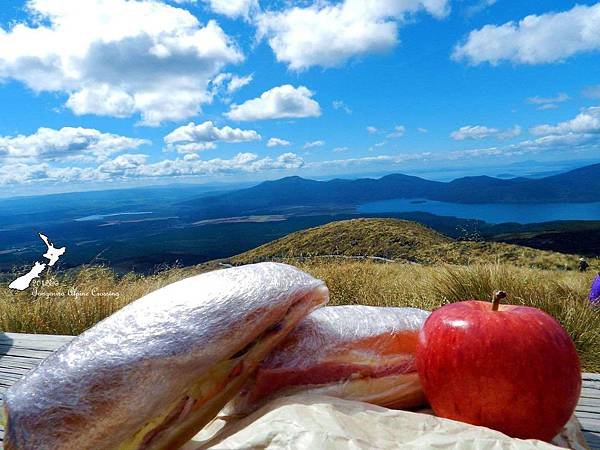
359 353
155 372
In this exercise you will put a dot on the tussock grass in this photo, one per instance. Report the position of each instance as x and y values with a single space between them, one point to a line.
562 294
72 302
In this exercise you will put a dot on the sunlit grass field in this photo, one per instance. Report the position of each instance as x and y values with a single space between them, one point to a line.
561 293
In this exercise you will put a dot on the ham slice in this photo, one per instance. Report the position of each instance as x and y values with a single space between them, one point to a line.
353 352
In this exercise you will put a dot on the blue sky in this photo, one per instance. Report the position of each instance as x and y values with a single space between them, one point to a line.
98 93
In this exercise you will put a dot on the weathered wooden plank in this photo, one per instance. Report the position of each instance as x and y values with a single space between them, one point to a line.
591 402
17 361
34 341
592 415
35 337
593 439
592 384
590 376
590 392
25 353
589 424
586 408
16 371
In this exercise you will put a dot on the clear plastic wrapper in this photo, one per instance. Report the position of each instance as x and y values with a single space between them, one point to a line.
356 352
168 361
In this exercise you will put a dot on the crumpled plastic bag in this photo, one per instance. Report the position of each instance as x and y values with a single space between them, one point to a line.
306 422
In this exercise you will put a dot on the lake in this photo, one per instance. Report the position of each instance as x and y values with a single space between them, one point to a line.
490 212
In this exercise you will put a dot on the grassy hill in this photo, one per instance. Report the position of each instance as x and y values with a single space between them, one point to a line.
401 241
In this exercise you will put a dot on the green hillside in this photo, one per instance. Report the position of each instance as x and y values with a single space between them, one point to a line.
401 241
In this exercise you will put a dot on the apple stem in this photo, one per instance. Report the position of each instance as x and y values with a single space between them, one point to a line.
498 295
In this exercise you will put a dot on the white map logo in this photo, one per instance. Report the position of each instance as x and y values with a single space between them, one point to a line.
52 255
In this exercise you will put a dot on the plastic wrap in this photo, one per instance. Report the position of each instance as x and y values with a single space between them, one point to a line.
358 352
113 379
307 422
594 296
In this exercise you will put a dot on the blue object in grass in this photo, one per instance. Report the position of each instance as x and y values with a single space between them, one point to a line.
595 291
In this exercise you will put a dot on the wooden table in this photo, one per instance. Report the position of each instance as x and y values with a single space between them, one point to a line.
19 353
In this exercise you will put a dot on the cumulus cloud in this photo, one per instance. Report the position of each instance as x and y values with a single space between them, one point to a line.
586 122
123 163
157 60
241 163
192 138
544 103
282 102
477 132
536 39
314 144
327 34
66 144
274 142
134 166
234 8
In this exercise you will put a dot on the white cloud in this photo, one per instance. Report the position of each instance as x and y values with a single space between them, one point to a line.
586 122
123 163
473 132
157 60
234 8
545 103
339 104
372 160
314 144
274 142
327 34
241 163
66 144
282 102
422 130
398 132
191 137
377 145
134 166
481 5
535 39
372 130
236 82
339 149
592 92
478 132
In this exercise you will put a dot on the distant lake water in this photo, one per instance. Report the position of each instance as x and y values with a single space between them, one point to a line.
104 216
492 213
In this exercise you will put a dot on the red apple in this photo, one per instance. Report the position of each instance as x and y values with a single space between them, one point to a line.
507 367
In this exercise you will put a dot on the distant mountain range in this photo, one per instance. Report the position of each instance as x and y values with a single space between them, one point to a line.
579 185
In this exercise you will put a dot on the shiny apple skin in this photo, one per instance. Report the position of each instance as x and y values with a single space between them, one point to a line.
515 370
